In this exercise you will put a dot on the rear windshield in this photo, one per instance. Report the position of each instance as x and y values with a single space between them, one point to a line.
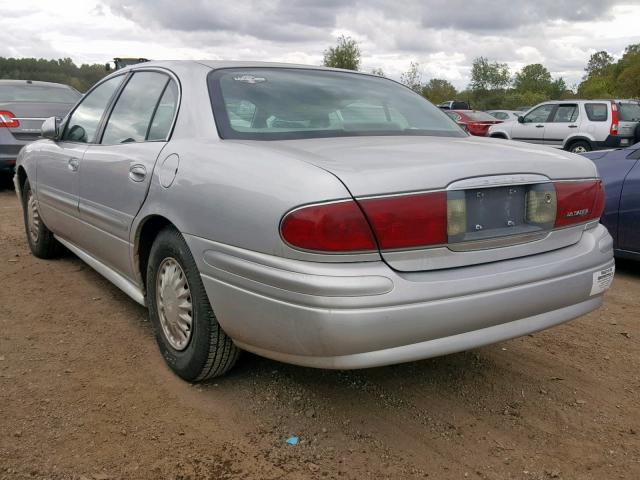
37 93
480 116
285 103
629 112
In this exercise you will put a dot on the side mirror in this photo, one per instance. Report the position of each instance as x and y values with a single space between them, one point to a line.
520 119
50 128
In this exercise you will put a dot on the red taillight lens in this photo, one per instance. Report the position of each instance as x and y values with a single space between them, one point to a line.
408 221
329 227
8 120
614 119
578 202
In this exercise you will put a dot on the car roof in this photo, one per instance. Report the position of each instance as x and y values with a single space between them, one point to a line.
34 82
218 64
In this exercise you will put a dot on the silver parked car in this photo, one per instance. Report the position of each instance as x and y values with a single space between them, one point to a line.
24 104
319 217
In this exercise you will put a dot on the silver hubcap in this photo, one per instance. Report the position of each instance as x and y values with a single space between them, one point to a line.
173 298
33 218
579 149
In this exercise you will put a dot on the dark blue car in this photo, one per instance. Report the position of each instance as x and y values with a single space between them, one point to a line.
620 172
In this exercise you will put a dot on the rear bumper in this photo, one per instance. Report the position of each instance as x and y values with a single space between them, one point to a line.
614 141
365 314
8 155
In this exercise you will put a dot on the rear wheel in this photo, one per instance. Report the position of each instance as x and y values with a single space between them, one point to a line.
579 146
189 336
40 238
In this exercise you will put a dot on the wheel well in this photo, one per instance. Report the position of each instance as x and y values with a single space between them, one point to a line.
579 139
22 177
498 135
150 229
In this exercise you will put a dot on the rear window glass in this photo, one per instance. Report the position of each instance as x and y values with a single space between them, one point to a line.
37 93
287 103
480 116
629 112
597 112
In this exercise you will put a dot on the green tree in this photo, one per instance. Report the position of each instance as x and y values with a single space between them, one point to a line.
599 64
438 90
412 78
532 78
378 71
487 75
346 54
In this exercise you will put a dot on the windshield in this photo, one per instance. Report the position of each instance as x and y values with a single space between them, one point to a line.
286 103
37 93
629 112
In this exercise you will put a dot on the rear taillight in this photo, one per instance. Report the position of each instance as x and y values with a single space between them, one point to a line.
578 202
8 120
408 221
328 227
614 119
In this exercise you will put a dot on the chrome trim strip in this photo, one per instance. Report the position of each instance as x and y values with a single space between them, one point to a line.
29 118
114 277
497 242
498 180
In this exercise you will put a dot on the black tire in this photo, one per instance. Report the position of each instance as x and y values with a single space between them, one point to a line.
209 352
579 146
45 245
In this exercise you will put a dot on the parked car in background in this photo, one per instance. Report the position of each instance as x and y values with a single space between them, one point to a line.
620 172
505 115
476 122
318 217
455 105
24 105
575 125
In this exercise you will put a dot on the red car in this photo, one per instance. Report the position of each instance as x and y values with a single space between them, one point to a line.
475 121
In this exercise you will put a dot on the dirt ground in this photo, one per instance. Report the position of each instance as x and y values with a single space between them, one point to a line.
84 394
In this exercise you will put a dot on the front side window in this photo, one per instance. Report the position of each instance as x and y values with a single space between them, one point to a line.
566 113
84 121
131 117
287 103
539 115
597 112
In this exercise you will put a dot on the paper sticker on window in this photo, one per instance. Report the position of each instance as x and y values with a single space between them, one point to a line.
602 280
249 79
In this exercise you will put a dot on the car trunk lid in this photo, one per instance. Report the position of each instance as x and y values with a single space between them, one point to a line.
30 116
492 177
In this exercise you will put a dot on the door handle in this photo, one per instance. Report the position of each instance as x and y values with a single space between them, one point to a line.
137 172
573 126
73 164
539 126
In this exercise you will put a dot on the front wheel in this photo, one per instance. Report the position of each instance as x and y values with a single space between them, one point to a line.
189 336
580 147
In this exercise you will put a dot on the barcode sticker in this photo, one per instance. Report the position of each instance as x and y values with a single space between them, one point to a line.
602 280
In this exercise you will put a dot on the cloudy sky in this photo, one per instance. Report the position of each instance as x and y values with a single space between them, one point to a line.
443 36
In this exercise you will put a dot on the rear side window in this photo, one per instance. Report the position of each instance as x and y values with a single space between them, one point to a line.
597 112
566 113
131 116
629 112
84 121
163 118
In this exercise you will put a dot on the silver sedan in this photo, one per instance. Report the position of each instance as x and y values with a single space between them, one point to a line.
318 217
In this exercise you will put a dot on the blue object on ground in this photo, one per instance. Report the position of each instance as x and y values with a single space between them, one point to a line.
293 440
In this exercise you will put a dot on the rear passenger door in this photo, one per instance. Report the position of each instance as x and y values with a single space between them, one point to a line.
116 170
563 122
533 125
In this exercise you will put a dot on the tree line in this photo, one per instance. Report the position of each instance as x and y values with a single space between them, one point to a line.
493 86
62 70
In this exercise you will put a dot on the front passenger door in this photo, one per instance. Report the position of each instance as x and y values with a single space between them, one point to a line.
533 125
116 170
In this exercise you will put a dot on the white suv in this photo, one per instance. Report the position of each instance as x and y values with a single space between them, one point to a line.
575 125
